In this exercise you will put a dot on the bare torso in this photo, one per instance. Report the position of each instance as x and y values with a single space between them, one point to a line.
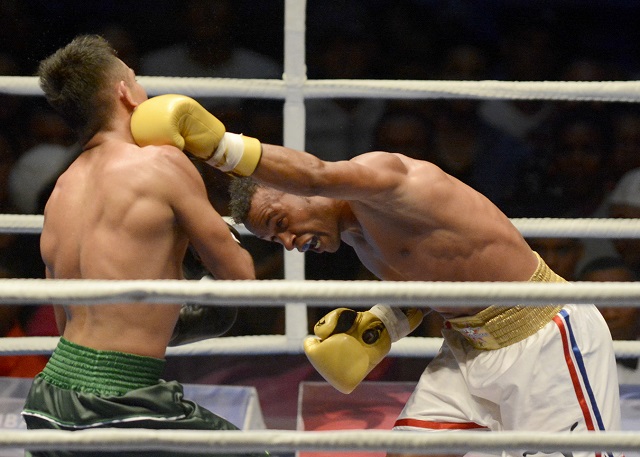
108 218
435 228
406 219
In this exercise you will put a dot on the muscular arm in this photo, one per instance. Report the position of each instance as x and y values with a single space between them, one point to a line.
205 228
181 121
304 174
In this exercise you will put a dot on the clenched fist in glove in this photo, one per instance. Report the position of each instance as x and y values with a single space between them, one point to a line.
201 322
182 122
349 344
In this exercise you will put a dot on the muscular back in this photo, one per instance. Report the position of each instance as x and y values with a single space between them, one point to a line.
426 225
111 216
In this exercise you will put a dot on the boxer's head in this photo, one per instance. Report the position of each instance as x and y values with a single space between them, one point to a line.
296 222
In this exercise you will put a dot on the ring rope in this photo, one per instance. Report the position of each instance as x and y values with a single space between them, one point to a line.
529 227
411 346
578 227
289 441
231 345
314 292
21 223
609 91
32 224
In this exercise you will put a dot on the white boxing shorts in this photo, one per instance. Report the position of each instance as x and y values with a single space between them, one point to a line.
562 378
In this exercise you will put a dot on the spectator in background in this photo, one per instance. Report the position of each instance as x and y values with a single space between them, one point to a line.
464 62
35 172
124 43
624 202
406 131
7 162
408 48
207 47
625 155
582 149
13 108
530 49
17 27
568 178
623 322
341 46
475 153
561 254
463 144
47 127
50 149
590 68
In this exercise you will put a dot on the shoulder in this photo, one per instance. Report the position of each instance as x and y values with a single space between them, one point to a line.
392 170
168 155
389 160
168 163
374 157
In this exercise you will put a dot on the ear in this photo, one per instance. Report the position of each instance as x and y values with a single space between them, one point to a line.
125 96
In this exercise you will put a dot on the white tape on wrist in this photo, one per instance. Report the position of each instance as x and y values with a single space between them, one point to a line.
395 321
228 153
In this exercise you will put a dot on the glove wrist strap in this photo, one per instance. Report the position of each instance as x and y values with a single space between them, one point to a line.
237 154
394 320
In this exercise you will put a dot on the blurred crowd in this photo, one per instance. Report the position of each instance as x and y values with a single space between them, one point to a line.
533 158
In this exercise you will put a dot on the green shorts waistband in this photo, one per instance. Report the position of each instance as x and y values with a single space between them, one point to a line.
88 370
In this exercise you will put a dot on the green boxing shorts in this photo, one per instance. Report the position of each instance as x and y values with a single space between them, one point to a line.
82 388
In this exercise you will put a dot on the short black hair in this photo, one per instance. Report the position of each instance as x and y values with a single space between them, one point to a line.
241 191
75 81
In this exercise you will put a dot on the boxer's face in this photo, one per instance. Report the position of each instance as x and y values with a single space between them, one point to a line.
302 223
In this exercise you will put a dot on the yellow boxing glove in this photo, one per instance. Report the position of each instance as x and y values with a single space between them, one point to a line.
182 122
349 344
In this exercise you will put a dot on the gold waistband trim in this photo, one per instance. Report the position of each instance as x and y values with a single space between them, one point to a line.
496 327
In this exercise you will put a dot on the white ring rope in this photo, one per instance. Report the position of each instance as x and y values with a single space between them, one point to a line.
266 345
529 227
578 227
32 224
21 223
609 91
275 292
231 345
314 292
355 293
342 440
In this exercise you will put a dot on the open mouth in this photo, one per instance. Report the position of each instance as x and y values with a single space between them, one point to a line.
313 243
